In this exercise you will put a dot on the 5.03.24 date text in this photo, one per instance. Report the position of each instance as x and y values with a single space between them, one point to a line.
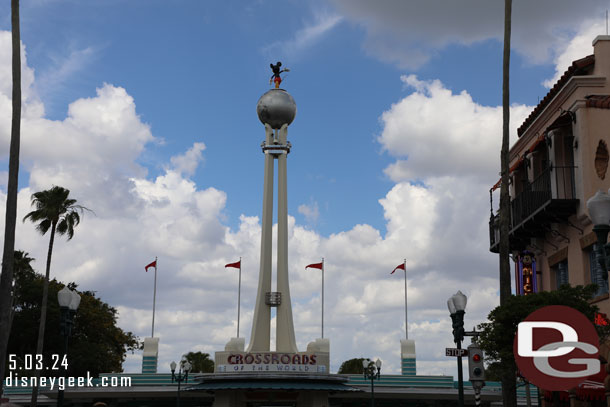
37 362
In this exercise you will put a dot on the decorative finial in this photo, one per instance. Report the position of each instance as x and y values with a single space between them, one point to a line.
276 74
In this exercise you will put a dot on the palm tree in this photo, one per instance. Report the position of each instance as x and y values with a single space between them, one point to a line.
6 279
509 385
54 211
22 262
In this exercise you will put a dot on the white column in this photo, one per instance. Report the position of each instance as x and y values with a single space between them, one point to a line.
261 323
285 338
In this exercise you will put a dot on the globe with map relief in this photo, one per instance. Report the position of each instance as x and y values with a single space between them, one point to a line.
276 108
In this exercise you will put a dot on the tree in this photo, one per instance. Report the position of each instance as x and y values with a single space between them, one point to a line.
21 266
352 366
6 278
97 344
200 362
493 372
497 335
54 211
509 383
22 262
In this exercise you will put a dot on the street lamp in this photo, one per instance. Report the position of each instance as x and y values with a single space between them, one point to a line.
371 371
599 212
457 305
68 304
182 376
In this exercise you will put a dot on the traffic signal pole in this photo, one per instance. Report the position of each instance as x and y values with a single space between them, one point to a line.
476 371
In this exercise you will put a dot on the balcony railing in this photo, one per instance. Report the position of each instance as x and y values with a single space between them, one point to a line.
554 183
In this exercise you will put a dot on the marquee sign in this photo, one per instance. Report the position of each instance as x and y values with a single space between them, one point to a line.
276 362
525 274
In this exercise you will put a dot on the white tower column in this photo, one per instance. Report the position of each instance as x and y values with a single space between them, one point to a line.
285 339
261 323
276 110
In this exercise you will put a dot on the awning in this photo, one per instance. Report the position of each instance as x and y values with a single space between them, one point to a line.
516 165
270 385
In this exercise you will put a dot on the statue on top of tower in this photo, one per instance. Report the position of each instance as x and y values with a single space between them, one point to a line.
276 74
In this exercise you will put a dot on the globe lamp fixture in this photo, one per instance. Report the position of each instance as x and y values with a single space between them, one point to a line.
457 306
372 371
181 376
68 300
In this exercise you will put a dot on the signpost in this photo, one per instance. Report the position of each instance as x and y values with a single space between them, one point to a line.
456 352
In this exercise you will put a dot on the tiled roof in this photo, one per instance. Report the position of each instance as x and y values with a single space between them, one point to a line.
579 67
599 101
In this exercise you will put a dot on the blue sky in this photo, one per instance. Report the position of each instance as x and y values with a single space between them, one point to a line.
145 110
196 68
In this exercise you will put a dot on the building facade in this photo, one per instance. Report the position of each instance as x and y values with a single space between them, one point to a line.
560 161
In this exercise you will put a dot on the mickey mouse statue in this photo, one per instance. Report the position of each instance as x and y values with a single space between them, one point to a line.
276 74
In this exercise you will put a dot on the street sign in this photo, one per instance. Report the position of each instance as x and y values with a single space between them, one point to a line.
456 352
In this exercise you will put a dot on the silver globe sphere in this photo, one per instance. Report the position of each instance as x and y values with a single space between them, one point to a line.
276 108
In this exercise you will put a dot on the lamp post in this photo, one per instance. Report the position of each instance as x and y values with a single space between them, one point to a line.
599 212
182 376
457 305
68 304
371 371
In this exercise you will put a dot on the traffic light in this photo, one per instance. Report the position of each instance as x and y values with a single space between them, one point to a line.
476 369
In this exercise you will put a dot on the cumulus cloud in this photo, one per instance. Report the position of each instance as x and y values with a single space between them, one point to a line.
466 140
187 163
578 47
438 224
400 32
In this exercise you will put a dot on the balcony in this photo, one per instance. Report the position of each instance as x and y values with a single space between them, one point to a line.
550 198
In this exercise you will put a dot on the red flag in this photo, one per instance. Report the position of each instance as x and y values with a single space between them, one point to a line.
400 266
153 264
315 266
236 265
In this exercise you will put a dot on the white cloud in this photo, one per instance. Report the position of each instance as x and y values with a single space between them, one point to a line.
409 33
438 225
187 163
306 37
436 133
62 69
578 47
311 212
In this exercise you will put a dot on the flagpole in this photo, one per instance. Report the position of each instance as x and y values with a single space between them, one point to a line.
238 297
154 300
322 297
406 322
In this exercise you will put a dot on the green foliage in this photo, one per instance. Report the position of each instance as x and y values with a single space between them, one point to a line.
493 372
498 334
352 366
200 362
97 344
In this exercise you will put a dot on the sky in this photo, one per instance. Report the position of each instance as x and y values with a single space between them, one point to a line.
146 111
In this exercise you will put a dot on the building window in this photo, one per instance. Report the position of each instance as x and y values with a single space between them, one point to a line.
597 272
561 273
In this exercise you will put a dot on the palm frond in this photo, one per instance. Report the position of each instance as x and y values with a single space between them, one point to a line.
44 226
54 207
62 227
